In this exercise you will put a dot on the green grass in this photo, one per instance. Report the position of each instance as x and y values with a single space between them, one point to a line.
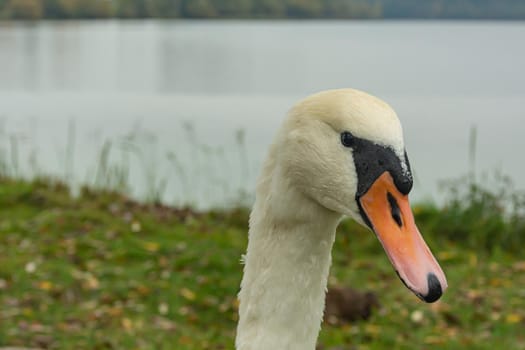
103 272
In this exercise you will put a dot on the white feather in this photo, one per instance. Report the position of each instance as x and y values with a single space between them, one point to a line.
308 183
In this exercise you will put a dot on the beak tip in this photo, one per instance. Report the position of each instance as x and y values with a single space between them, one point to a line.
435 291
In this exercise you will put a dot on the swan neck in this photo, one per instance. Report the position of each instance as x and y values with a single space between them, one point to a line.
285 277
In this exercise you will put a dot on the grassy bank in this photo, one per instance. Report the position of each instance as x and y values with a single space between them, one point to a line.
103 272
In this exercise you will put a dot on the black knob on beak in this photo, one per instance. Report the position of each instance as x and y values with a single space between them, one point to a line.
434 289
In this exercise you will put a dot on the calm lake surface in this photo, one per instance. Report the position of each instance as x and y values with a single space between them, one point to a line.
185 110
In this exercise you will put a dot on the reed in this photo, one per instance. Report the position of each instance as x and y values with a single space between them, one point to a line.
480 210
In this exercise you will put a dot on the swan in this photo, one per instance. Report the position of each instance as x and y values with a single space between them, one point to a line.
338 153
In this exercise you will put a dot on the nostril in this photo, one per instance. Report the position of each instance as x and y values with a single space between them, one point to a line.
434 289
394 210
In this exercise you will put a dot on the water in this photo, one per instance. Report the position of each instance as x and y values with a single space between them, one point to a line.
164 89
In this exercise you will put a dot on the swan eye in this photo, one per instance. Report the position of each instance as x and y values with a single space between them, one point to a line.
347 139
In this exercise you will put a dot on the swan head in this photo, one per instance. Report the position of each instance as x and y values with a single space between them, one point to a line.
344 150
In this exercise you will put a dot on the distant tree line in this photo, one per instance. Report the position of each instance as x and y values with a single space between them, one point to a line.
85 9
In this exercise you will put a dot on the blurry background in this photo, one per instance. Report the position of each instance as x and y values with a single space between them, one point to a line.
176 101
182 111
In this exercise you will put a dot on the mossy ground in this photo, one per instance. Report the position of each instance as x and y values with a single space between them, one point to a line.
103 272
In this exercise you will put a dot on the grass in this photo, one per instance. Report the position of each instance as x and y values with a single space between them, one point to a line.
100 271
138 163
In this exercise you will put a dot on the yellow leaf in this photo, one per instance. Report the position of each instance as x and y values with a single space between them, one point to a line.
127 324
372 329
143 290
45 285
151 246
513 318
187 294
91 282
115 311
499 282
447 255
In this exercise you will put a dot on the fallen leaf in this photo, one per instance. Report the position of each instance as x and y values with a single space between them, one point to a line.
135 226
115 311
45 285
184 311
151 246
499 282
163 261
163 308
30 267
372 329
127 324
91 282
447 255
187 294
519 266
432 339
143 290
417 316
513 318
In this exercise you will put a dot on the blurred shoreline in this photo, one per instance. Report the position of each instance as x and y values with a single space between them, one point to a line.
262 9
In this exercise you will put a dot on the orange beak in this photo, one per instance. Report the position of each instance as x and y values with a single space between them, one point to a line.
390 216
